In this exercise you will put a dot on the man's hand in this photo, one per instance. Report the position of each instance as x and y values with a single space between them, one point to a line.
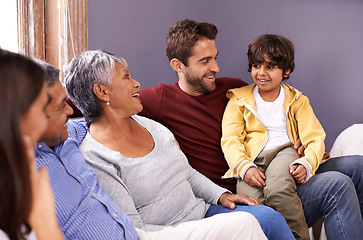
255 177
298 172
299 147
228 200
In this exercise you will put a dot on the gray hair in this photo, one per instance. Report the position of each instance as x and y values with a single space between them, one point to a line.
82 73
52 73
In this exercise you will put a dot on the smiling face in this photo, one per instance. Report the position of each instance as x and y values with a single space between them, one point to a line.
34 122
199 76
57 111
123 92
268 79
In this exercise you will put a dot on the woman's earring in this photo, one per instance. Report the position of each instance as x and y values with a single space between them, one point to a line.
108 103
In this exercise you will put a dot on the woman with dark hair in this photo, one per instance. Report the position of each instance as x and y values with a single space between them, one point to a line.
27 208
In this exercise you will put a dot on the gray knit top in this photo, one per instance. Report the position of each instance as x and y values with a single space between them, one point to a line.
156 190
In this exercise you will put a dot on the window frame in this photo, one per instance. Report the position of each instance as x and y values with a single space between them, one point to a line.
53 31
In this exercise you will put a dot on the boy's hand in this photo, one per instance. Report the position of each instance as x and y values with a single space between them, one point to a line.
255 177
298 172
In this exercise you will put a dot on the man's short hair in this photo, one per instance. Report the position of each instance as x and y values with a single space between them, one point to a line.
52 73
183 35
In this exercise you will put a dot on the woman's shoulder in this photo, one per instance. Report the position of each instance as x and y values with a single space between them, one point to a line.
148 123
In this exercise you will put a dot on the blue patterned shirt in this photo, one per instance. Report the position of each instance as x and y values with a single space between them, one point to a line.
84 209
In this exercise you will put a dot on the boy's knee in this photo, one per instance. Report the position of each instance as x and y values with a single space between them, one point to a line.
278 194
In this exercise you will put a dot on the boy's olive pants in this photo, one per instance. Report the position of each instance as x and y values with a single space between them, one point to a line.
280 190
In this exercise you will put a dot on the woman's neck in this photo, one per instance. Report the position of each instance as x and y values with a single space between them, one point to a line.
124 135
111 126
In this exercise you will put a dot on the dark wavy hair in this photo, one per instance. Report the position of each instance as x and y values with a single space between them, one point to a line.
21 81
183 35
278 49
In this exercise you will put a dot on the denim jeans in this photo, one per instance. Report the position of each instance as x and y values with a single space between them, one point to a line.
352 166
273 223
331 194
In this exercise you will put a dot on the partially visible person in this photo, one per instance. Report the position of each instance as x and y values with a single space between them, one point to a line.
138 161
192 109
27 209
261 123
349 142
85 210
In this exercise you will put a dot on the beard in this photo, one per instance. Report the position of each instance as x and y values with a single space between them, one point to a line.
199 84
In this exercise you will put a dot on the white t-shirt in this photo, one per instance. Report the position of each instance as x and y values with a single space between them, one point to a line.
273 117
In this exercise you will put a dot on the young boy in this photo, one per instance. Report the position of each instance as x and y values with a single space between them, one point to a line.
260 124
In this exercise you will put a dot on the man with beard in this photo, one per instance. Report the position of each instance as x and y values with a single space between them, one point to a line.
192 109
192 53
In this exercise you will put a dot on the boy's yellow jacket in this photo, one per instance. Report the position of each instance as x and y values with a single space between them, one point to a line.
244 136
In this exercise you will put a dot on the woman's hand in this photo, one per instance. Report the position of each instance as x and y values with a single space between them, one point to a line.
228 200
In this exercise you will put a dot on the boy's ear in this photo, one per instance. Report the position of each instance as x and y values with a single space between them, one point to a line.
101 92
177 65
286 74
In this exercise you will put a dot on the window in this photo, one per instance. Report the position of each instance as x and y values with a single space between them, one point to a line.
8 26
54 31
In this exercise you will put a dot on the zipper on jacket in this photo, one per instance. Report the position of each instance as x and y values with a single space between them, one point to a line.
287 130
254 113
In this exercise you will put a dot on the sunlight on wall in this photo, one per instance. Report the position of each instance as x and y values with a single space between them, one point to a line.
8 25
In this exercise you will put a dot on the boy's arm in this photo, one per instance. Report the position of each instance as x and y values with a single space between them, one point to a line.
233 135
312 137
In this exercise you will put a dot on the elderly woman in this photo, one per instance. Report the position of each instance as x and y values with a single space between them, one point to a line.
138 160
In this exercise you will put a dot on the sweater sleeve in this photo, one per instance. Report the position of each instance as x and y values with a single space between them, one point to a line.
233 136
203 187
